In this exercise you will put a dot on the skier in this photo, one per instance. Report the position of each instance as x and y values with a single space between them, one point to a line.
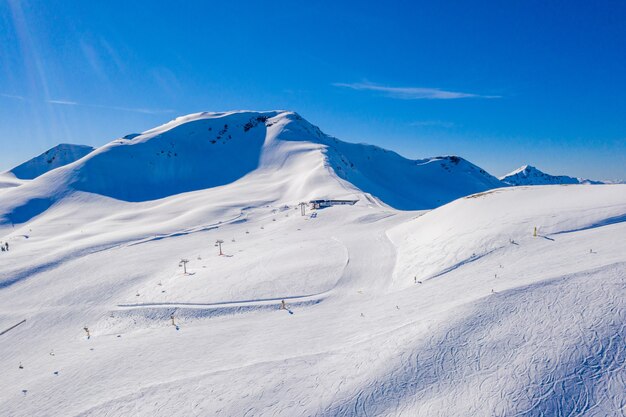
283 306
174 323
6 245
87 331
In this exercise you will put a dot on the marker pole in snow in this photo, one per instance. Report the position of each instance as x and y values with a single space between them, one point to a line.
535 232
302 208
219 244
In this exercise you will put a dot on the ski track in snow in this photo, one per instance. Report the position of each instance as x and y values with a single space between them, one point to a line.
46 266
469 359
462 263
585 377
448 372
532 329
260 301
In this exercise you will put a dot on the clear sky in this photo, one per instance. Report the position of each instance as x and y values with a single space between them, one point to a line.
500 83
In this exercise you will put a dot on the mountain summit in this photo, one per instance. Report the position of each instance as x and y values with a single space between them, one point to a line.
277 153
53 158
529 175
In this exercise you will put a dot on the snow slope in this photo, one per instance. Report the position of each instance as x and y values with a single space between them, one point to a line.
53 158
451 312
8 180
279 151
424 244
363 339
529 175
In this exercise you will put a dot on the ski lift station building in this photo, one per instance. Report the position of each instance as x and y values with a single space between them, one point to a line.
319 204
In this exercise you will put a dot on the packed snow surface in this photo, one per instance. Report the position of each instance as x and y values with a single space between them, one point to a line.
461 310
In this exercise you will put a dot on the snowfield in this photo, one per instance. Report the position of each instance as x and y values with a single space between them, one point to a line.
453 307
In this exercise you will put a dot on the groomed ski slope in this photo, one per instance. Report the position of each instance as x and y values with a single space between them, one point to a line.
501 322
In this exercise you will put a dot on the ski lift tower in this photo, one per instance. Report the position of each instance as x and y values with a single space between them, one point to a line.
219 244
302 208
183 263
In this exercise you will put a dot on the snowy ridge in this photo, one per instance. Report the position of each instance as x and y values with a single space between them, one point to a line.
529 175
424 243
53 158
277 151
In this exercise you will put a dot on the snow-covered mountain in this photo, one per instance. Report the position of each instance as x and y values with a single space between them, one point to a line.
278 151
116 300
53 158
529 175
610 182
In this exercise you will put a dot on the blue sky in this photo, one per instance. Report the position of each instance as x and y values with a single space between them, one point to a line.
500 83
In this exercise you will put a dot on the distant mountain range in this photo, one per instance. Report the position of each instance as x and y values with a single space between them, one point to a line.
278 152
275 155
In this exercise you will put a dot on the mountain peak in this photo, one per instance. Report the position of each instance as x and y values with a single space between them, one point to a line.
529 175
55 157
273 156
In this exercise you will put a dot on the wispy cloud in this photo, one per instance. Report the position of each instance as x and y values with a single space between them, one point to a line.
64 102
411 93
99 106
12 96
